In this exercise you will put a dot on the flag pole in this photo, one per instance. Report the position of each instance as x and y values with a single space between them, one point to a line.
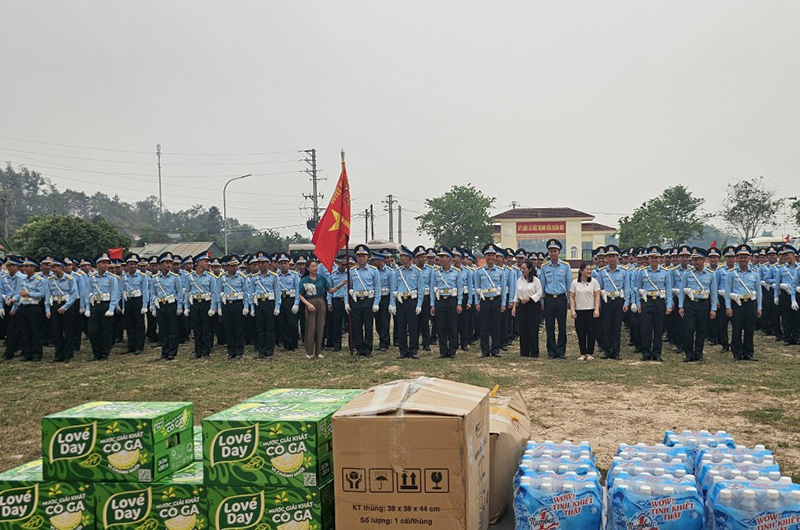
349 286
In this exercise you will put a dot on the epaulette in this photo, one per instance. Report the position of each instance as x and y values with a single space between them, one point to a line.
174 274
371 266
515 267
562 262
68 276
416 267
273 273
114 275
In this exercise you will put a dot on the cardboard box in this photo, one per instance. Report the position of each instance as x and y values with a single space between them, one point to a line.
509 431
27 501
108 441
198 443
412 454
269 507
173 503
269 444
306 395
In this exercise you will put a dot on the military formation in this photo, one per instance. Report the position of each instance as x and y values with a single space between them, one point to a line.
414 299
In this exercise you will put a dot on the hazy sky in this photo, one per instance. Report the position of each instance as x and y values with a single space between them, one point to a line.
592 105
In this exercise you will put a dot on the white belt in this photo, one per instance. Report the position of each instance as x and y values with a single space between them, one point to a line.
384 291
427 291
102 297
59 298
362 294
406 295
167 299
26 300
203 296
655 294
136 293
291 293
446 292
465 290
266 296
616 294
234 296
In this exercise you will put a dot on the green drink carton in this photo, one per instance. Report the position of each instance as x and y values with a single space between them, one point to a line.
269 508
267 444
28 502
198 443
306 395
106 441
176 502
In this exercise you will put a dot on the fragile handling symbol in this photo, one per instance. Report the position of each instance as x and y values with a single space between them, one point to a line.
353 480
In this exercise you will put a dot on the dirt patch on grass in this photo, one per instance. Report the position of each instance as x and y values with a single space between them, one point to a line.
606 414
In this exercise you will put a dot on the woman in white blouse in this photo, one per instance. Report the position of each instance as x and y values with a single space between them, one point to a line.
585 309
528 310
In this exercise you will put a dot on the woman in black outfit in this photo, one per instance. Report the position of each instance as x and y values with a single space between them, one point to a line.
528 310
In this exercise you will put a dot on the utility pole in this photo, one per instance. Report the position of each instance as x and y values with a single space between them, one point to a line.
366 225
160 200
372 222
513 205
399 224
315 197
390 207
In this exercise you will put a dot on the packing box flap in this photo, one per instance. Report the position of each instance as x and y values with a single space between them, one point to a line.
425 395
509 411
509 429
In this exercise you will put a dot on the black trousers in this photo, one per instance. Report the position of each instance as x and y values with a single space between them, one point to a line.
586 329
12 333
79 325
505 328
63 331
168 332
152 327
424 321
767 308
361 313
490 326
555 310
722 325
335 327
184 327
118 327
382 322
790 318
474 325
233 320
611 319
744 327
287 324
447 325
407 331
636 330
696 318
528 316
100 330
602 338
30 321
265 328
203 327
652 328
463 323
134 324
777 324
219 329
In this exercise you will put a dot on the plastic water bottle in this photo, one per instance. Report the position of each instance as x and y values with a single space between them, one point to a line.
749 502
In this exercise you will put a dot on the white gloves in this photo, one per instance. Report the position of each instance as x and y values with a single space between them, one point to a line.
763 284
245 312
689 292
255 300
721 292
634 308
178 311
87 313
794 306
143 311
153 311
295 309
276 312
347 308
2 312
393 310
604 295
375 308
157 304
186 312
777 301
109 313
211 312
219 310
786 287
418 311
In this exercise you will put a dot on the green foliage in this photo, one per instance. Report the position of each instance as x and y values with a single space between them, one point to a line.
796 208
459 217
672 218
749 206
62 235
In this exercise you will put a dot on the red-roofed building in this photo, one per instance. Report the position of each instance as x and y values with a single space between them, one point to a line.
530 228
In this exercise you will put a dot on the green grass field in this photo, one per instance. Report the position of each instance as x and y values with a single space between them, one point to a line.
605 402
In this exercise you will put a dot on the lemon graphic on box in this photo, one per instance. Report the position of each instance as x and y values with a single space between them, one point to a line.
288 463
124 459
181 522
66 520
294 525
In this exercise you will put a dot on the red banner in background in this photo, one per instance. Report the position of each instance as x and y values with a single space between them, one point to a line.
115 253
543 227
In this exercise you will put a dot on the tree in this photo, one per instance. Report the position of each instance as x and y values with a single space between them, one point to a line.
672 218
749 206
61 235
796 208
459 217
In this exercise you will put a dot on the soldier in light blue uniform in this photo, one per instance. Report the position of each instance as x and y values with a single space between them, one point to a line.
201 302
743 304
490 301
765 270
61 306
697 305
365 286
166 303
614 286
423 323
405 303
235 305
460 264
135 289
556 278
507 321
785 295
653 292
102 300
266 303
8 286
675 331
27 306
336 303
445 295
382 294
723 322
289 285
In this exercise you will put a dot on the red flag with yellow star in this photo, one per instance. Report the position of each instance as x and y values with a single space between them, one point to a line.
333 230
